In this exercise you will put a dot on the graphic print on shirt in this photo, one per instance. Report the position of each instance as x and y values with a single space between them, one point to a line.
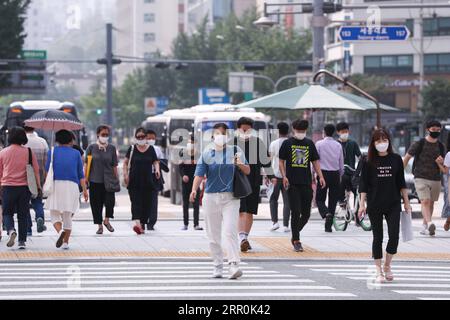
300 156
384 172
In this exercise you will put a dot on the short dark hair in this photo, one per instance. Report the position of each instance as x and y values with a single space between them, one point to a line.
150 131
329 130
283 128
342 126
245 121
63 137
17 135
220 125
140 129
28 129
433 123
300 124
102 127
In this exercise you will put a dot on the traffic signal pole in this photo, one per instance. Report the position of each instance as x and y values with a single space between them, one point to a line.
109 75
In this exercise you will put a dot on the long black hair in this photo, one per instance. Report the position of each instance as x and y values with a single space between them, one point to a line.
373 152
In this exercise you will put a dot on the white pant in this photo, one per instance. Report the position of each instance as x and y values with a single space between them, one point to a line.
222 208
62 217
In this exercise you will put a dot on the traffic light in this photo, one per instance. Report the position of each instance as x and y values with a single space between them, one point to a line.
328 7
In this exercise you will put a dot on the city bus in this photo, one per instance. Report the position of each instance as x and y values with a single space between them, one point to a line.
20 111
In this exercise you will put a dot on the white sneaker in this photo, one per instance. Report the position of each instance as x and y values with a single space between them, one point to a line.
65 246
235 272
286 229
424 230
432 229
275 226
218 271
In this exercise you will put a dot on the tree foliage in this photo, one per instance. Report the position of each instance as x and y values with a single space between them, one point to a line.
436 100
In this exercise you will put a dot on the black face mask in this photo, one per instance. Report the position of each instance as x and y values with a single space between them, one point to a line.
435 134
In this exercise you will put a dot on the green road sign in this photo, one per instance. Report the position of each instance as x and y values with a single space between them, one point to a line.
34 54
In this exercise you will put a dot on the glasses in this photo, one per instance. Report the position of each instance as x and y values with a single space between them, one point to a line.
140 137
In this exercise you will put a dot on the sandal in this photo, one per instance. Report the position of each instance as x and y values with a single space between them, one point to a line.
380 278
447 225
388 274
108 226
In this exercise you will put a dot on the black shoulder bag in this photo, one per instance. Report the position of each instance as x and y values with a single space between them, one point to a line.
241 185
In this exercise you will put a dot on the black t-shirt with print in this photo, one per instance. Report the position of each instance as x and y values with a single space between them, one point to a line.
382 181
141 176
298 155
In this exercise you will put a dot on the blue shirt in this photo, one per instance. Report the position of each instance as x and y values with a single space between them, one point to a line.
67 164
218 167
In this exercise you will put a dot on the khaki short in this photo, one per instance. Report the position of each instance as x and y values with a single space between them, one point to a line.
427 189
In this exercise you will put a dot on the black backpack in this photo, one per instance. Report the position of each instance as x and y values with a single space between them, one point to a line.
420 149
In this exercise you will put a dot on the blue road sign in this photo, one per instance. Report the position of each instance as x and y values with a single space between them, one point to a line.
212 96
161 104
381 33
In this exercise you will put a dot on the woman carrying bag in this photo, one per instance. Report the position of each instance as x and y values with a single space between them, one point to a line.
383 185
65 169
225 168
103 178
140 180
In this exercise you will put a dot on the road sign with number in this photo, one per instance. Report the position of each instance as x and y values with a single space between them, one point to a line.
378 33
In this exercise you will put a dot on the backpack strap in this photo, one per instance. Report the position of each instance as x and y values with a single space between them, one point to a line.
30 157
418 152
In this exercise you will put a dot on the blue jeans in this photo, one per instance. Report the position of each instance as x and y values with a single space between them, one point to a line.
16 199
446 208
38 207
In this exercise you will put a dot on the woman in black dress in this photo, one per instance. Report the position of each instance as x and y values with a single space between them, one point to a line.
138 177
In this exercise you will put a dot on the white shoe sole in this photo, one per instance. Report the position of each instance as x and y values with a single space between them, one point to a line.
237 274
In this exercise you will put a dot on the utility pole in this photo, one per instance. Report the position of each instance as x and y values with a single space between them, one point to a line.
421 62
109 75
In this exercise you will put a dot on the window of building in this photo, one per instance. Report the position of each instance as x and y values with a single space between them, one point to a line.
149 37
436 26
149 1
410 25
331 35
436 63
149 17
388 64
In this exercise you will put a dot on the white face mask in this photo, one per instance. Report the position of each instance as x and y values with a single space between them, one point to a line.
220 140
382 147
245 135
141 142
300 136
344 136
103 140
151 142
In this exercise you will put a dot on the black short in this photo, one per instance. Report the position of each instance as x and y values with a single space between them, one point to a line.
250 203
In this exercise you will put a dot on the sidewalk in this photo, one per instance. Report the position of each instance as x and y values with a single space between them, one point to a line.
169 241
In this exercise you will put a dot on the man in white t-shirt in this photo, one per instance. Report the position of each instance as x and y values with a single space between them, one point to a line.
277 180
40 148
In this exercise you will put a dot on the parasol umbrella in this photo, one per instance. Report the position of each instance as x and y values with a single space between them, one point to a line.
314 97
54 120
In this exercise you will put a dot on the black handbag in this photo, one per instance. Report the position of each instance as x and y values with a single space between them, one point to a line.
241 185
112 183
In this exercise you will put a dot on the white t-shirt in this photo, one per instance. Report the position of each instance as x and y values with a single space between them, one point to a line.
159 154
447 160
274 150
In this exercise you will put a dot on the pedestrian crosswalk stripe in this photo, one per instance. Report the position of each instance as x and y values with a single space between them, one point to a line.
237 294
112 263
100 273
247 278
433 298
187 268
434 292
394 269
413 285
406 279
401 274
161 288
366 266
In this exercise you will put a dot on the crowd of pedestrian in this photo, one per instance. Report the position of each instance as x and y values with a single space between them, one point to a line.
226 177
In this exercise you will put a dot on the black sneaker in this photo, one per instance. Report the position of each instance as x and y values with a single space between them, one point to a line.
245 245
12 239
328 223
22 245
60 240
198 228
298 246
40 225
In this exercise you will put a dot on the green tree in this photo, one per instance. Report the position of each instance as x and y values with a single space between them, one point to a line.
12 18
436 100
372 84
